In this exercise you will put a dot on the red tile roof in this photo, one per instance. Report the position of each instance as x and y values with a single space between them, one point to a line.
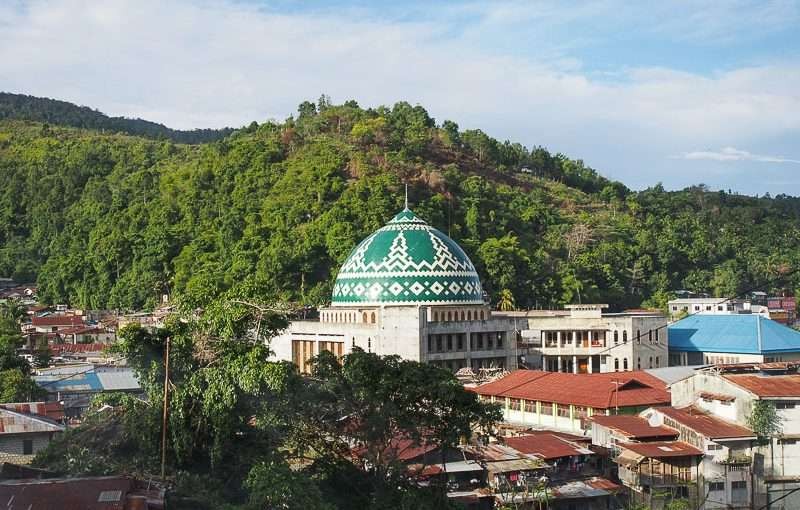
591 390
60 348
634 427
57 320
705 423
659 449
546 446
769 385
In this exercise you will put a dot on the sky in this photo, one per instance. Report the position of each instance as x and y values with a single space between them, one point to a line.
672 92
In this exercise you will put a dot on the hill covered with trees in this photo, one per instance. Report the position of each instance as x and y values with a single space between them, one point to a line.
110 220
52 111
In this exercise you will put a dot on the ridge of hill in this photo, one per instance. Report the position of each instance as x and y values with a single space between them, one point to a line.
110 220
52 111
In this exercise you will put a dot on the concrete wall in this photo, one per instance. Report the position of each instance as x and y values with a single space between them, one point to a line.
11 446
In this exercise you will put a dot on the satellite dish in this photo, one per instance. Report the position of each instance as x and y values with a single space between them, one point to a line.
655 420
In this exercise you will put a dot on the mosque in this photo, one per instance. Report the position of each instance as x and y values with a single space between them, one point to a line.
410 290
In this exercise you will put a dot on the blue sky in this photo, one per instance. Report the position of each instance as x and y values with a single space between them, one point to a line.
645 92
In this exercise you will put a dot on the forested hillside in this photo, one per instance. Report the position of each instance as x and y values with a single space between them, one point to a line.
52 111
104 219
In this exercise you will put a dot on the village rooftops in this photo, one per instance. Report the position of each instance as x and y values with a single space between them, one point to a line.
662 449
635 427
706 424
599 391
768 386
13 422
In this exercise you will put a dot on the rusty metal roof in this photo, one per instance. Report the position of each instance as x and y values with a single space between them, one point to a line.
768 386
662 449
12 422
705 423
100 493
634 427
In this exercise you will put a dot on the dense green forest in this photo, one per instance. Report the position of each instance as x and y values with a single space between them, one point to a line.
52 111
109 220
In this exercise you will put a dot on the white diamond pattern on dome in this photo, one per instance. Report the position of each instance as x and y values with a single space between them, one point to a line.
407 262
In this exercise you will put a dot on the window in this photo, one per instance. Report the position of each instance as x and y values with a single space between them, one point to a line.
563 411
650 335
481 314
708 308
739 485
27 446
514 404
674 308
438 343
656 335
449 316
651 362
530 406
696 308
369 344
716 486
714 447
435 317
638 363
625 336
500 339
785 405
625 363
430 343
449 342
616 364
616 337
372 318
719 308
462 315
461 342
785 440
657 363
638 336
469 315
547 408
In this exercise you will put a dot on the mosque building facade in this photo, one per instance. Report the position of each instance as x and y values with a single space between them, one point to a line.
410 290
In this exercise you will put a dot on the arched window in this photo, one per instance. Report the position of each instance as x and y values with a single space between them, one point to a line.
364 317
650 335
435 316
469 315
369 344
372 318
616 336
449 316
638 337
651 362
625 336
656 337
638 363
462 315
352 343
624 363
656 361
616 364
481 314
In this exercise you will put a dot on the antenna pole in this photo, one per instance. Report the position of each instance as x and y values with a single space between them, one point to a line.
164 417
406 196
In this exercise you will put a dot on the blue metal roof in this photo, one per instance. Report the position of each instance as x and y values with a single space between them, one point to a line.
734 333
87 381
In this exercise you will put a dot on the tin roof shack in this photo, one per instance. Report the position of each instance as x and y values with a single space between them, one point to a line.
100 493
75 385
564 401
22 435
657 472
726 467
513 476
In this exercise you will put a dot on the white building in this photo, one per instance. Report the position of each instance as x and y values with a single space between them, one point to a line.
679 308
410 290
582 339
731 393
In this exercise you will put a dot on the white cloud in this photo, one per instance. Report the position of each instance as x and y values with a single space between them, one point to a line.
210 64
733 154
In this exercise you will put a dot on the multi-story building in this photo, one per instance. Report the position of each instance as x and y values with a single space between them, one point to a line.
725 339
410 290
583 339
552 400
731 393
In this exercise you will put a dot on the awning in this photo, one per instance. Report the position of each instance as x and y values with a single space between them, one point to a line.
628 458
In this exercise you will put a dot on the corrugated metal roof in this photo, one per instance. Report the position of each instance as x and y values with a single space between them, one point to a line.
768 385
705 423
69 383
546 446
634 427
12 422
673 374
600 391
734 333
662 449
118 380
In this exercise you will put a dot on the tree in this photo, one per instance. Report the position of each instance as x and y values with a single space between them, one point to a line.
764 420
506 301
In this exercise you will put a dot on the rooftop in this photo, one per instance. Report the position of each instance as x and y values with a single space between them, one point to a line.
101 493
57 320
600 391
545 446
635 427
738 334
662 449
13 422
705 423
767 386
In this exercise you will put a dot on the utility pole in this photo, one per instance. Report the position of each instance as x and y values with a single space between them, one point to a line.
164 418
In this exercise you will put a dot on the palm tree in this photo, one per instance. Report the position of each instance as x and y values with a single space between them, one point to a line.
505 303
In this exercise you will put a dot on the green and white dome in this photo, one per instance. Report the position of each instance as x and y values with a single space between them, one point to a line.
407 262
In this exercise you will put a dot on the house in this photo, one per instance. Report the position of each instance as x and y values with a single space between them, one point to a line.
97 493
562 401
732 392
726 466
583 339
728 339
22 435
87 335
76 385
56 323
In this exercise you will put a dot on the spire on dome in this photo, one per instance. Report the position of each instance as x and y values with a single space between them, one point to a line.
406 207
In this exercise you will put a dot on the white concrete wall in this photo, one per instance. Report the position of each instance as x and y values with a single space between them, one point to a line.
11 446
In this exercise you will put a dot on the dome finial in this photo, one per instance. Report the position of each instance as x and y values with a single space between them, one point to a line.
406 207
